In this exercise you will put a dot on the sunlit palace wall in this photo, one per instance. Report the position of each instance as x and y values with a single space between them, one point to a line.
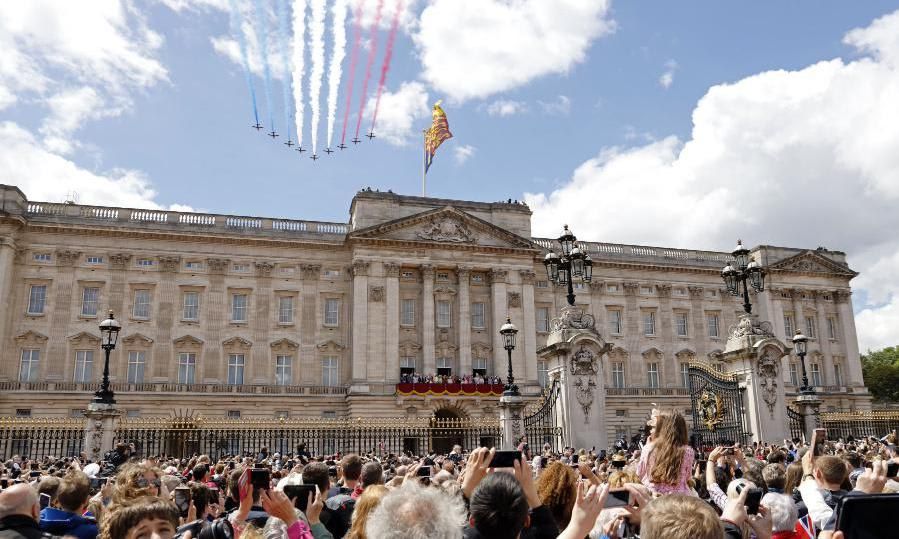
259 317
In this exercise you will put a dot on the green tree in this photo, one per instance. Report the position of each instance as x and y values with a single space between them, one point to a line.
881 371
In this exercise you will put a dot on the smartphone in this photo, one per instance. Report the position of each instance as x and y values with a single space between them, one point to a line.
4 483
300 495
819 436
861 517
892 469
504 459
102 481
45 500
261 478
617 498
424 471
35 473
753 499
182 500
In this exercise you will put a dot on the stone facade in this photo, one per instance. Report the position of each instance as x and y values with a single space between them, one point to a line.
271 316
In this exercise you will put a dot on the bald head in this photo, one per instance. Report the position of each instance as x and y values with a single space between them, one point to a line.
19 499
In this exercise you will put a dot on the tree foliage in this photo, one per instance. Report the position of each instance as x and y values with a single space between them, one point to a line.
881 371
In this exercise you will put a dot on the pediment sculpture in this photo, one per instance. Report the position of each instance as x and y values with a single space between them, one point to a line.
447 229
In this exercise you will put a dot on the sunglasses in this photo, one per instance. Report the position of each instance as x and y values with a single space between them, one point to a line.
143 482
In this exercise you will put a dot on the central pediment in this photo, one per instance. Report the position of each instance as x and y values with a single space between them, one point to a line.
448 226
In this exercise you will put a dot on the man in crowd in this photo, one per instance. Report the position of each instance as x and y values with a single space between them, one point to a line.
72 497
19 513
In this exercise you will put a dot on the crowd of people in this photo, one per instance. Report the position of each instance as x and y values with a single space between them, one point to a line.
478 379
660 488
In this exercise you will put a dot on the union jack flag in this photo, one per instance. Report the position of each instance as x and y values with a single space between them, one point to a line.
436 134
805 528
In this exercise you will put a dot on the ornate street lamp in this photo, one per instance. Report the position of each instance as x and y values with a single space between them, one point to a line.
573 263
109 334
800 345
508 332
739 272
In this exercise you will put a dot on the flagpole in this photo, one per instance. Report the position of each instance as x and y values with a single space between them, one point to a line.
424 173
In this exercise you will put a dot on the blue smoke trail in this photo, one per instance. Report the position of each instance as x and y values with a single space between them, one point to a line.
263 51
237 28
285 63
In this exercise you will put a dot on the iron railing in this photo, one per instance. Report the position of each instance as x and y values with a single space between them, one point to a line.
543 426
797 428
40 437
859 424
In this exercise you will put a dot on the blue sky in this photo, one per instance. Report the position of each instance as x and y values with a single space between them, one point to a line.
766 104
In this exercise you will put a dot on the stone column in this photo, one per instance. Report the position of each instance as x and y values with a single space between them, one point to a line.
427 320
99 429
849 337
261 367
392 330
529 328
511 410
634 369
309 325
7 269
700 330
62 290
163 319
115 301
360 321
665 321
464 321
809 406
823 339
214 309
500 312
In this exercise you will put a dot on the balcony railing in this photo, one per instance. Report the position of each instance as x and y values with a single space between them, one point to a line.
647 391
166 387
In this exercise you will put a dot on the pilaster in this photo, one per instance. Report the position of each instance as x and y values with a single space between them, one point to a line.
499 301
165 298
8 352
60 315
464 274
849 337
529 326
261 369
392 328
427 320
360 321
310 322
665 321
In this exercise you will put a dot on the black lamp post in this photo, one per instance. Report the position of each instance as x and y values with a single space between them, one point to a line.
508 332
109 334
800 344
572 263
741 271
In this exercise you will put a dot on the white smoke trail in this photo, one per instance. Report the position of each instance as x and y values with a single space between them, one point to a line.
317 46
299 67
338 30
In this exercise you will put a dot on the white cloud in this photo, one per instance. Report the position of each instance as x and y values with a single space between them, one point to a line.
802 158
68 110
463 153
476 48
402 113
227 46
667 77
506 107
560 107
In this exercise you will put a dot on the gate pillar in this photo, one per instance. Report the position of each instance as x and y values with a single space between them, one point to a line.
753 354
573 352
99 429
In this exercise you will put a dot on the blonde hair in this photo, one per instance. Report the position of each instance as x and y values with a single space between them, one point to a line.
677 516
669 441
126 489
619 478
557 487
368 502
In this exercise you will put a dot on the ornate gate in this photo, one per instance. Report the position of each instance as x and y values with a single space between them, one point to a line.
542 426
717 403
797 428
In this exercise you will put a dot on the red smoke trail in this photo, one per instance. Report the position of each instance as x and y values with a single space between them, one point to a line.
388 55
371 60
354 59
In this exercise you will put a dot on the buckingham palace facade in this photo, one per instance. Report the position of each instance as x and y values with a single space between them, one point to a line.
258 317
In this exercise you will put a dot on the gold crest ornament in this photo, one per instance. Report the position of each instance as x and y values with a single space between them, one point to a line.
711 410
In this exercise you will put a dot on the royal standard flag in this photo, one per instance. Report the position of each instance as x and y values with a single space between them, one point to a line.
436 134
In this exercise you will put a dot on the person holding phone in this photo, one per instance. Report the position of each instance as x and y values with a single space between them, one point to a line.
821 487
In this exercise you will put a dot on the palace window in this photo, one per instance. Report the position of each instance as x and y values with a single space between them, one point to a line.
144 262
618 374
816 374
712 322
615 321
37 297
685 374
95 260
407 274
832 327
652 375
90 298
789 327
329 371
42 257
646 290
285 309
811 328
680 324
444 366
239 308
477 277
191 306
612 288
542 284
235 369
442 276
407 314
332 311
837 374
332 273
649 323
137 360
542 373
478 320
479 366
141 307
283 370
28 368
187 367
233 414
543 319
241 268
84 366
193 265
794 373
444 319
407 365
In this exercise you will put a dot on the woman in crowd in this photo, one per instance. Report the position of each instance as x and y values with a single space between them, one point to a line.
556 486
370 499
667 461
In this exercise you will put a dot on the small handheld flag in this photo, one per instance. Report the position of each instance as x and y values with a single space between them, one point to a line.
434 137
